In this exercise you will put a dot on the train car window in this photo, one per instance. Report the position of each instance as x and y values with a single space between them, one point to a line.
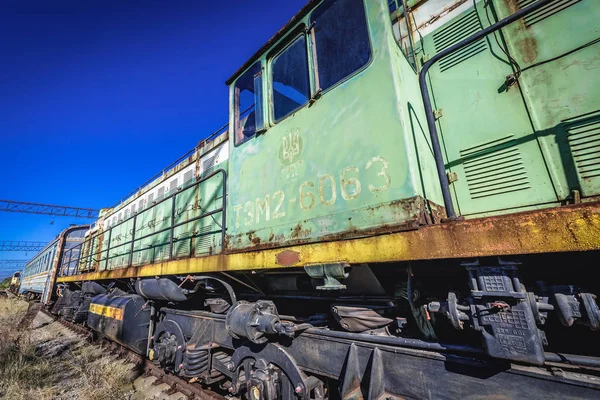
291 86
150 198
141 205
161 193
341 40
173 186
248 104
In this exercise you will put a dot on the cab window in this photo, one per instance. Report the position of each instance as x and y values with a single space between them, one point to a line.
248 104
291 87
341 40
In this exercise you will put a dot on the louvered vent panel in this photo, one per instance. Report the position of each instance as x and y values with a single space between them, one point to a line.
181 248
205 241
542 13
454 33
584 139
494 168
208 165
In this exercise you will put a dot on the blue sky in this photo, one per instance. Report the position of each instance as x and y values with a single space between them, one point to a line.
97 96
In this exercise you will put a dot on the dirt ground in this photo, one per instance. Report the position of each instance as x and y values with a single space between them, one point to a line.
47 361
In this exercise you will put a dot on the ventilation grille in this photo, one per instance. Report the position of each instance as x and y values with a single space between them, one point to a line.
584 139
205 241
208 165
494 168
542 13
454 33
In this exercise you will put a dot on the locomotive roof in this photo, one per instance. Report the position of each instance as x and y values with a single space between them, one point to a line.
280 33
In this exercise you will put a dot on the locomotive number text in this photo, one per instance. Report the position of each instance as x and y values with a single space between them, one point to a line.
324 191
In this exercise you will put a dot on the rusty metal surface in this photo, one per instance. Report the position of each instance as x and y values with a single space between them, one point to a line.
566 229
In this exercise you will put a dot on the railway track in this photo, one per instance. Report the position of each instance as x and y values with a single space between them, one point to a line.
153 381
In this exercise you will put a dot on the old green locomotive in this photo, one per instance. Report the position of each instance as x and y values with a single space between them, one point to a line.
404 204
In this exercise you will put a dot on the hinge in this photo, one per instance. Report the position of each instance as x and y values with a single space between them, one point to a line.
315 97
439 113
309 28
452 177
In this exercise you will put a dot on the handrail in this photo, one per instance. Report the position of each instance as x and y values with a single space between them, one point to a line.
170 166
93 255
435 143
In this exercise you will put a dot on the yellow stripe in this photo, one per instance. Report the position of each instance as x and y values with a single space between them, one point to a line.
107 311
564 229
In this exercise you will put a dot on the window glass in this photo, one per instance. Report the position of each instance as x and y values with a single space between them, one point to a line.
291 88
341 40
248 104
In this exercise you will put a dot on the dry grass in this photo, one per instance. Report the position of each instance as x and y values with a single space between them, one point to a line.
47 362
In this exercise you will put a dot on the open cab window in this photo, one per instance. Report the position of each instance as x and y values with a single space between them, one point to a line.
291 85
248 104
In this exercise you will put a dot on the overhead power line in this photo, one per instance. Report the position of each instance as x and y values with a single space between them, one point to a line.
15 263
47 209
13 245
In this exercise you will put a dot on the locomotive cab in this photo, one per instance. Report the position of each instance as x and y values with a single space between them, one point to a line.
326 139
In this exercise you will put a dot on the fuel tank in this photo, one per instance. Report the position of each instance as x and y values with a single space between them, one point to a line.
124 319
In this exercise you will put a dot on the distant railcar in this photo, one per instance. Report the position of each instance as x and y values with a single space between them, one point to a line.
404 204
38 280
15 282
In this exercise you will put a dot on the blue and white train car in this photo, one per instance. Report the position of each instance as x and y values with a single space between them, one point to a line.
39 276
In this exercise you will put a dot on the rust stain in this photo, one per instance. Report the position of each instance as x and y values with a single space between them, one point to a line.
562 229
526 43
414 207
287 258
253 238
512 6
528 48
296 231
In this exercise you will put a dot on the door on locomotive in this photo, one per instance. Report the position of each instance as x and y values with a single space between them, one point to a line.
517 117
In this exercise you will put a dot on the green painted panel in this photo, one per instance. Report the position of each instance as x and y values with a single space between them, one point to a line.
487 135
563 95
344 165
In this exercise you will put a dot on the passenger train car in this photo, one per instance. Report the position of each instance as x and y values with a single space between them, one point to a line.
38 280
404 204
